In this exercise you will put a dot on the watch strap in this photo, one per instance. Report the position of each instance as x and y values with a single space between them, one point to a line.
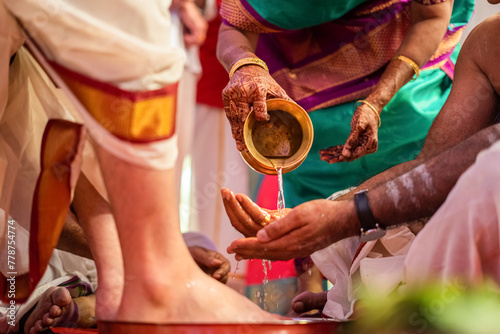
364 212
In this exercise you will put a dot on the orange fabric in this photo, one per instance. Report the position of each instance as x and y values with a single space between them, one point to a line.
61 145
134 116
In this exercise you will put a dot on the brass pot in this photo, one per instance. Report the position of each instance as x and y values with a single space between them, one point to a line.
283 141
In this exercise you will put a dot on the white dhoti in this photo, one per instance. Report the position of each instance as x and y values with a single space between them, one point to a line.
122 43
374 268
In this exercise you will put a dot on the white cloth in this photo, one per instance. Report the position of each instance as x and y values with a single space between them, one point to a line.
462 239
122 42
131 50
377 269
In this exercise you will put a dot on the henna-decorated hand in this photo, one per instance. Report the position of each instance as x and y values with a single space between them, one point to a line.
249 87
246 216
362 140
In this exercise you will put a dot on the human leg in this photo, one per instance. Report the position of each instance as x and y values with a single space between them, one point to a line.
159 271
95 217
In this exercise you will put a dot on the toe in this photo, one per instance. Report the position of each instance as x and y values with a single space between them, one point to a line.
38 326
61 297
55 311
47 320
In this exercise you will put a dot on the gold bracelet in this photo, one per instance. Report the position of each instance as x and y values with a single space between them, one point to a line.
411 63
372 108
247 61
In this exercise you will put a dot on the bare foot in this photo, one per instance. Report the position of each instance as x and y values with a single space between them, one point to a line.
53 304
205 300
56 308
309 301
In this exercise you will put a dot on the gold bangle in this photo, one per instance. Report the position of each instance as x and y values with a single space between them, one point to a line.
372 108
411 63
247 61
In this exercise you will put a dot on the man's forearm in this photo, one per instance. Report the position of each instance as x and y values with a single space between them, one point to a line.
420 192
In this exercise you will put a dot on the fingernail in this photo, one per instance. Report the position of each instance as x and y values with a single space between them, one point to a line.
238 258
262 235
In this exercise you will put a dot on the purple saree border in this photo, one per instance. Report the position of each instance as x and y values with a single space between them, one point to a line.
339 91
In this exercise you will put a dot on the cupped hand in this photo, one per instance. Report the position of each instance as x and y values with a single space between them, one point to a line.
211 262
246 216
307 228
249 88
362 140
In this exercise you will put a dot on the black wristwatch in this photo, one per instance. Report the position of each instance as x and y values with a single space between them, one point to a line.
370 229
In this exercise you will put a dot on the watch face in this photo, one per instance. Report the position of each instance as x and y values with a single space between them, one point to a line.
373 234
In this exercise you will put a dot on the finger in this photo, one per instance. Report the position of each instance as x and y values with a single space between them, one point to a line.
352 141
221 274
251 248
256 213
243 110
337 149
260 110
232 115
276 230
206 258
334 158
237 216
332 154
308 301
367 144
245 247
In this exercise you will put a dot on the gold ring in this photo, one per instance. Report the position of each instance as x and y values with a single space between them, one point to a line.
266 220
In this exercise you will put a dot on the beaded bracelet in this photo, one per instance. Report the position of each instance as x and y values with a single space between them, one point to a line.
247 61
410 63
372 108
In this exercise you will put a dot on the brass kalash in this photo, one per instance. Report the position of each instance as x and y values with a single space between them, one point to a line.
283 141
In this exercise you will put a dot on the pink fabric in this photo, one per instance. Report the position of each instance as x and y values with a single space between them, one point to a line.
462 240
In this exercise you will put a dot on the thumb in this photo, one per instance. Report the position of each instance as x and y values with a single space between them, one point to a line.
350 143
274 230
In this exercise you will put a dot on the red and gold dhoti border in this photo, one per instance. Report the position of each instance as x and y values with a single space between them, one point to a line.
138 117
